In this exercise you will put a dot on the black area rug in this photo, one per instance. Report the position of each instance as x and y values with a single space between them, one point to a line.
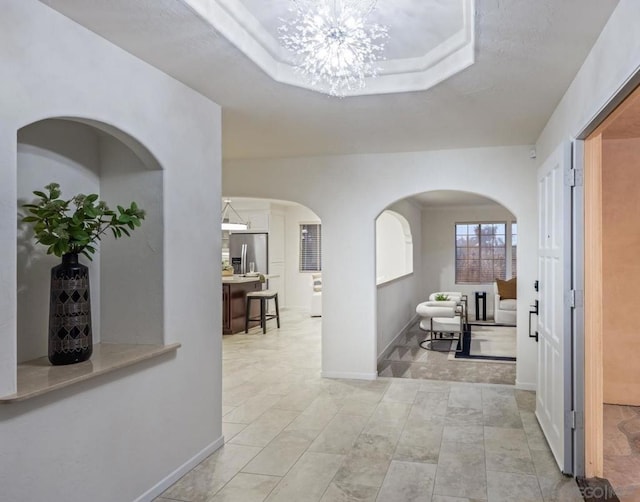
465 353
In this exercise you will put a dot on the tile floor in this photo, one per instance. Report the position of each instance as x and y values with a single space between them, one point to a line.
293 436
622 450
409 360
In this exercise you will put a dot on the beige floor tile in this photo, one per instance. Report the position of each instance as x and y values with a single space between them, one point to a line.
247 488
419 444
280 455
229 430
507 450
464 434
408 481
308 478
461 471
340 434
251 409
508 487
203 482
349 493
402 391
465 397
265 428
352 440
360 470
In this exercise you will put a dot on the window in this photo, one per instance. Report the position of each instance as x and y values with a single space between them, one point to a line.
310 247
481 252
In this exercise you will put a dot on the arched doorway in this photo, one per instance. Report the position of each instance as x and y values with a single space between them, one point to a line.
461 242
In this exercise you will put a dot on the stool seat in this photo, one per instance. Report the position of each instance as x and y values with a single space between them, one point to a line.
264 293
263 296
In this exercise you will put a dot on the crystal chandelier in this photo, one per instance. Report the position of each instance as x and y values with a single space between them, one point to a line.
336 48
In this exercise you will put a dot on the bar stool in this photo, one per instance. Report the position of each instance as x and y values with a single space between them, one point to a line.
263 296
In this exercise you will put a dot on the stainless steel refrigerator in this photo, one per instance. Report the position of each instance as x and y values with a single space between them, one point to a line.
246 248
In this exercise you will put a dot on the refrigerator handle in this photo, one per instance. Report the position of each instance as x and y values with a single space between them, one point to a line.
243 266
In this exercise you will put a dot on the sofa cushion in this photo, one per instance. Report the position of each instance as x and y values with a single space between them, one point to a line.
508 305
317 282
507 289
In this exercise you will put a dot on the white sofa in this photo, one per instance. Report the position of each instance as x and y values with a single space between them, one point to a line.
504 311
316 295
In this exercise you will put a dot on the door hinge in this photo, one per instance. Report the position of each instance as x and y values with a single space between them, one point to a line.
575 419
576 298
575 177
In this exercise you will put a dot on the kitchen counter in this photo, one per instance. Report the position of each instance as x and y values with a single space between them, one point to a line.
238 279
234 302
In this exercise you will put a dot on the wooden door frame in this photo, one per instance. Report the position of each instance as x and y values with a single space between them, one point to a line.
593 293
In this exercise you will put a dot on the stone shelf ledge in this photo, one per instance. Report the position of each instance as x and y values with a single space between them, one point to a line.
38 376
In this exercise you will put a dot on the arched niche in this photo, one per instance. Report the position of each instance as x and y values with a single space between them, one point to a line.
85 156
394 246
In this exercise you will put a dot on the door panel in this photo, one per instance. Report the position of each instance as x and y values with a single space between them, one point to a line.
553 397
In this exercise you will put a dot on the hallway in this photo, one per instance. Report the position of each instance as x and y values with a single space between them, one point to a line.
293 436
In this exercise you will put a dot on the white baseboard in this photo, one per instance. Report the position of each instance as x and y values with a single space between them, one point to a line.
165 483
389 348
526 386
349 376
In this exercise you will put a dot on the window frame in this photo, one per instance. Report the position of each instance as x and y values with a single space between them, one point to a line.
507 249
302 263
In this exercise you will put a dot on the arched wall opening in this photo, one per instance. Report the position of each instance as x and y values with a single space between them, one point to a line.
434 218
394 247
283 220
127 277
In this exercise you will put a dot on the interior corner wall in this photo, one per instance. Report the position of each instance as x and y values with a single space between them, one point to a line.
621 269
119 436
438 231
397 299
136 261
348 192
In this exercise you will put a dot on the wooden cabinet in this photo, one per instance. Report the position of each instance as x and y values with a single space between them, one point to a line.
234 297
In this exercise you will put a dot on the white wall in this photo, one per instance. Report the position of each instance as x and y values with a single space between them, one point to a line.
298 284
613 60
397 300
349 191
106 439
438 244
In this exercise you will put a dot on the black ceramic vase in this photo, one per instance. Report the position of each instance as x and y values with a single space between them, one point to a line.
70 339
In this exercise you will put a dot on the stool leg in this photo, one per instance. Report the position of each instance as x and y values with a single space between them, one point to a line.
277 311
263 320
246 317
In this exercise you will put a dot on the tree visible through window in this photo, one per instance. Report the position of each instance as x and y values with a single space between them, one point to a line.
310 247
481 252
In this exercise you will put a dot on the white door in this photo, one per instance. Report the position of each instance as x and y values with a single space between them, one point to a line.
553 398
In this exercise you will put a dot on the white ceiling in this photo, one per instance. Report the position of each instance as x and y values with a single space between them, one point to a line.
527 53
451 198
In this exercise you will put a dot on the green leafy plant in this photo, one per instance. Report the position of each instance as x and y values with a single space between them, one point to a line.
75 225
441 298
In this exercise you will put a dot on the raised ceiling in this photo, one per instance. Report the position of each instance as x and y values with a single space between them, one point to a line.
526 55
429 40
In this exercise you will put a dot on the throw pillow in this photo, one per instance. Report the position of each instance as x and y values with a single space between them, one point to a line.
507 289
317 282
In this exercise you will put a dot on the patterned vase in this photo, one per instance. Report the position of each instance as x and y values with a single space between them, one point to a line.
70 339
